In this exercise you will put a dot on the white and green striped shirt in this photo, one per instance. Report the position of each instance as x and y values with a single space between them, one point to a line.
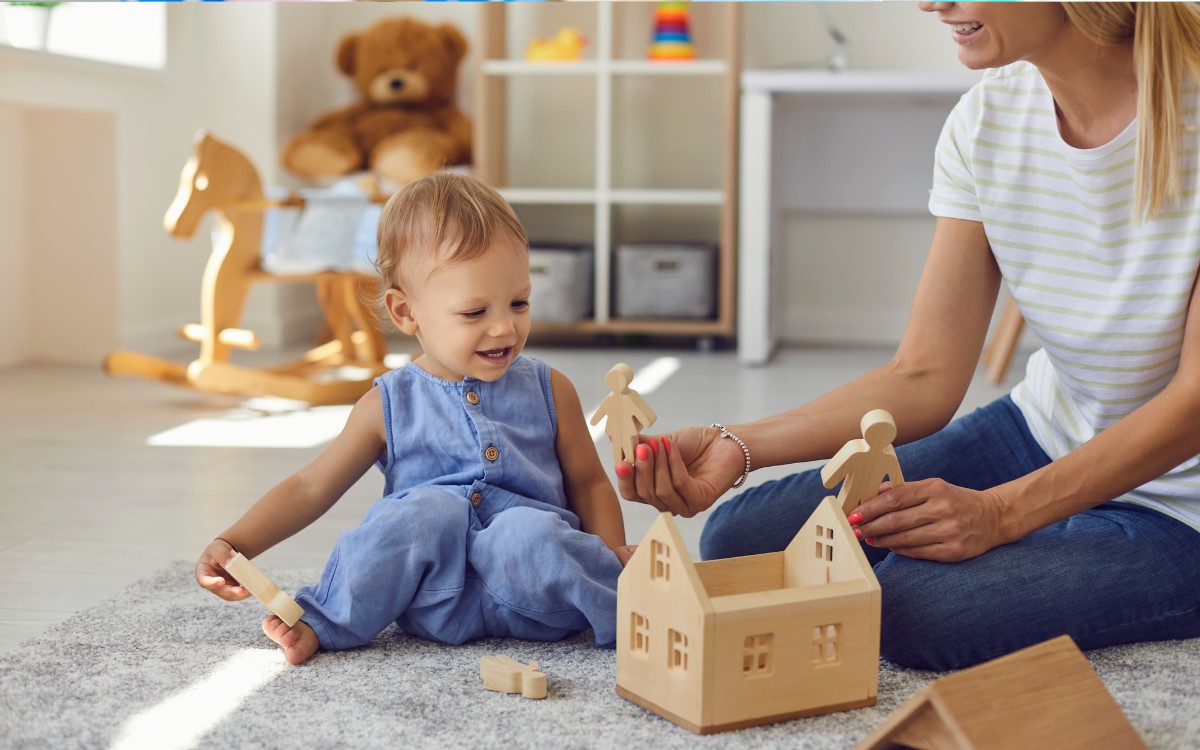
1106 296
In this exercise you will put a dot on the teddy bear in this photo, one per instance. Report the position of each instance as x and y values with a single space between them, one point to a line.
406 123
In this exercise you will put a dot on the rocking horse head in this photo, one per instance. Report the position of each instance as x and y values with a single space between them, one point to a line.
217 176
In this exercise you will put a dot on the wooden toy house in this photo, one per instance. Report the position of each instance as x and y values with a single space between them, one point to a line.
732 643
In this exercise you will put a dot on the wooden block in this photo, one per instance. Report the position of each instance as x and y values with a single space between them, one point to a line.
264 589
507 675
1045 696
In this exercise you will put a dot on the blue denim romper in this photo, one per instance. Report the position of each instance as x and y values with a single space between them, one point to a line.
473 536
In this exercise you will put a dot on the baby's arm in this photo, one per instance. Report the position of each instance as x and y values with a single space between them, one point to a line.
300 499
590 493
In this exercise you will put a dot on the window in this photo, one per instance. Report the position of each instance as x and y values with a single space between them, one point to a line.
677 654
640 636
824 544
827 647
756 655
660 562
133 34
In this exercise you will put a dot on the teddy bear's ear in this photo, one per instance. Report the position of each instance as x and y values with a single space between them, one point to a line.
345 54
454 41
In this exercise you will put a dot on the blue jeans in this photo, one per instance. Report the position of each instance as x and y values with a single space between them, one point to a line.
1117 573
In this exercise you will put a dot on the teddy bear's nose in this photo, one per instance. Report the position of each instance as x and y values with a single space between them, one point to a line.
397 84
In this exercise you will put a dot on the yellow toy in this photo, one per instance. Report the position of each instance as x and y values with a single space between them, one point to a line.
568 44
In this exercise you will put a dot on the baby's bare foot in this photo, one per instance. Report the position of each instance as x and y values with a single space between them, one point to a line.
299 642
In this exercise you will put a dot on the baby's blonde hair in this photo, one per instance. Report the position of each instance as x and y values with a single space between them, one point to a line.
444 217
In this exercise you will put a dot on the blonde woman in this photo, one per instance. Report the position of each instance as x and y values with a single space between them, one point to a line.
1069 174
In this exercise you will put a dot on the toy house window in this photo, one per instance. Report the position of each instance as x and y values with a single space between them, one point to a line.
824 544
756 655
660 562
827 645
640 632
677 654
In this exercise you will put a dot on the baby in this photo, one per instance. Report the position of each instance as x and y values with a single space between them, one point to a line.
497 518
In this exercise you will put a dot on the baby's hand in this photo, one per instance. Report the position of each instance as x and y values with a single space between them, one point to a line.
211 573
624 553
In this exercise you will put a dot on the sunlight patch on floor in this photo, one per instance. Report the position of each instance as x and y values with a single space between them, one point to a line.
260 423
268 422
182 720
645 380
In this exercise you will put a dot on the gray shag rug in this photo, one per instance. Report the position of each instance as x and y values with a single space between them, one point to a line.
165 664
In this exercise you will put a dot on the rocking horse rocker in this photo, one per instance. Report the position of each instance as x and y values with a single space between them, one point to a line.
218 177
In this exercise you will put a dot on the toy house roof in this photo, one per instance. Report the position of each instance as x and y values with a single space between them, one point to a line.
850 565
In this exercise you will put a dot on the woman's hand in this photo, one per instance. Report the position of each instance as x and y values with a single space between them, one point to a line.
211 573
684 472
932 520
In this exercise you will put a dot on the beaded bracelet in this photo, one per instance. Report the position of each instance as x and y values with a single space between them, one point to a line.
727 434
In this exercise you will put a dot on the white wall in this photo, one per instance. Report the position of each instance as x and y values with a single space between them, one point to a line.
14 260
220 75
256 73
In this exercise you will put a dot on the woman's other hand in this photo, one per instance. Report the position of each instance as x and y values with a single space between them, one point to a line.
932 520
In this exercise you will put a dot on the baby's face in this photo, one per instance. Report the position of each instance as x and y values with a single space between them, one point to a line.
473 316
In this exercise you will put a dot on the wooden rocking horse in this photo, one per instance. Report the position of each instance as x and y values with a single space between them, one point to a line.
220 178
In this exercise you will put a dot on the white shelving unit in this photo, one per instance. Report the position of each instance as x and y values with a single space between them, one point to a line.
498 67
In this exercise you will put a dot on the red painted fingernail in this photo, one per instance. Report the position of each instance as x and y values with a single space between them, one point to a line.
622 470
666 443
854 517
653 443
643 453
857 533
871 540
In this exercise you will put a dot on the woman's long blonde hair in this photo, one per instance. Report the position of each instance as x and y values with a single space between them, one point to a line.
1166 46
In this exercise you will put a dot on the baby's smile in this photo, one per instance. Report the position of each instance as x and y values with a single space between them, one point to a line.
496 355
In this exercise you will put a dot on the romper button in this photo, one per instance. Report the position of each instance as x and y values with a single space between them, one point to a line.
491 453
472 397
476 498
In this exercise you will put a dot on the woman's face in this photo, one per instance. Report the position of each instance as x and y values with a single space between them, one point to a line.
990 35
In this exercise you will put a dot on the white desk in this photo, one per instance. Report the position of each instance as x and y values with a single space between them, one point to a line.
761 182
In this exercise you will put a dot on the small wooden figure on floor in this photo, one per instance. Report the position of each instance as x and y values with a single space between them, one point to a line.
264 589
1047 695
507 675
864 463
628 413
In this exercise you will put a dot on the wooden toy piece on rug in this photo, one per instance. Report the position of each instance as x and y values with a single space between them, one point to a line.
221 179
864 462
732 643
628 413
264 589
1045 696
507 675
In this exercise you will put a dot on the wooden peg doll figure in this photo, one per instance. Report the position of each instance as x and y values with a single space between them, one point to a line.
628 413
864 462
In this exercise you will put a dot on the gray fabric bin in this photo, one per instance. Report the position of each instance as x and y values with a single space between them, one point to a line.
666 280
561 280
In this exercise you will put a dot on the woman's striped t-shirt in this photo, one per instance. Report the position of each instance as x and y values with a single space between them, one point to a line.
1107 296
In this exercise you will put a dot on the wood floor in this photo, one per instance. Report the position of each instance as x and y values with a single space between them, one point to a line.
88 505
